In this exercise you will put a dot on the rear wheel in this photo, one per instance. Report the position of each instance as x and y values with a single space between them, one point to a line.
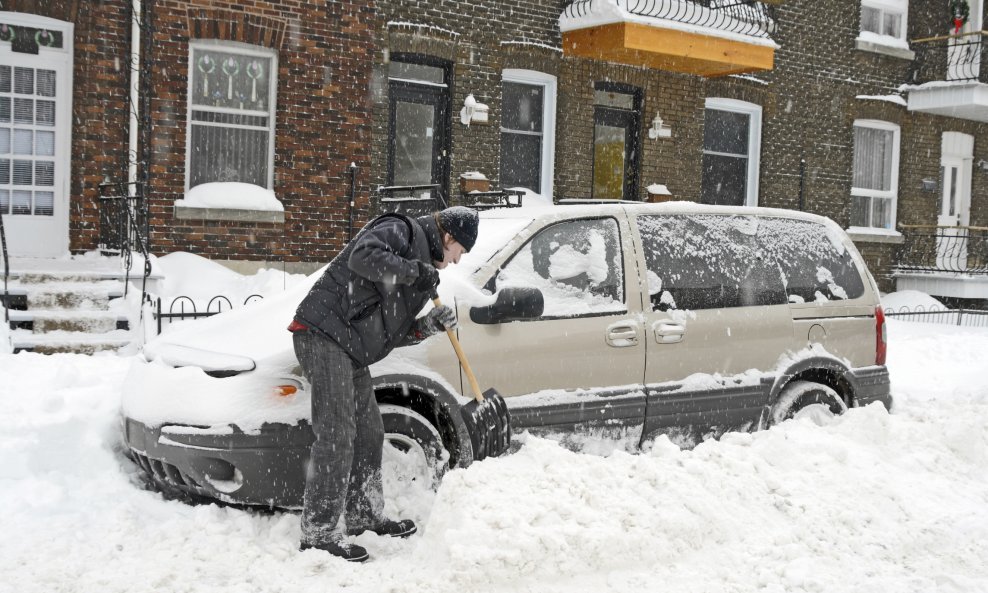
807 400
414 456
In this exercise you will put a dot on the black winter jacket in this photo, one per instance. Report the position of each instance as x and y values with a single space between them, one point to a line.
364 301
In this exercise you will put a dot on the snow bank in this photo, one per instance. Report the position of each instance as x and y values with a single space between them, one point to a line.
870 502
231 194
910 300
6 347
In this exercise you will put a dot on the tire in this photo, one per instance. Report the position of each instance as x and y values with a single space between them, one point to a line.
414 451
806 399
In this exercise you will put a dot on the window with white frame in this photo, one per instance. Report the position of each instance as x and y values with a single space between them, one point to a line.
875 176
732 132
528 129
231 114
886 18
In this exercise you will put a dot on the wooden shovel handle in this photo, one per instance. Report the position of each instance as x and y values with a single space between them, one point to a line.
462 356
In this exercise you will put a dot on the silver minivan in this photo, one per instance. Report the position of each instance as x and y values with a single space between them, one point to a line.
623 321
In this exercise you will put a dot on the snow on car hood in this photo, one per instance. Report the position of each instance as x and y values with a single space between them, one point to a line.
257 331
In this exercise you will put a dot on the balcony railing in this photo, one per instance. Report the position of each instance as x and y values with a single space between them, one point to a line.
954 58
742 17
928 248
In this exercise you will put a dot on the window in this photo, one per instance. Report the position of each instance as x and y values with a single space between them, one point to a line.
576 264
711 262
708 262
527 130
617 128
815 264
231 114
875 177
418 122
27 141
731 148
884 17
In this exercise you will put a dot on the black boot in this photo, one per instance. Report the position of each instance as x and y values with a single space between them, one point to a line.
337 546
388 527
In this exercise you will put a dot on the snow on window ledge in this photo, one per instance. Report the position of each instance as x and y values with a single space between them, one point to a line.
245 202
860 234
885 45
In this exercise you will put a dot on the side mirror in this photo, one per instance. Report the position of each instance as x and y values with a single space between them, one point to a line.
511 304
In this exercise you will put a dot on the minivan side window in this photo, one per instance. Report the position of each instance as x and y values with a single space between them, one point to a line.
576 264
708 262
815 264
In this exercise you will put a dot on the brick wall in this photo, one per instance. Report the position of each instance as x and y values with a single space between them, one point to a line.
324 52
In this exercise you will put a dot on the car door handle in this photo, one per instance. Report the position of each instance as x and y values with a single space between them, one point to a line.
668 332
622 335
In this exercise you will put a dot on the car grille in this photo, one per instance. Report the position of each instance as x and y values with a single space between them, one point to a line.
164 472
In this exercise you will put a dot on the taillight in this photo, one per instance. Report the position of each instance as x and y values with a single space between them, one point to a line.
881 339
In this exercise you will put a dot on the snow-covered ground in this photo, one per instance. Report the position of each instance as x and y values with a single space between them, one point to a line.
874 502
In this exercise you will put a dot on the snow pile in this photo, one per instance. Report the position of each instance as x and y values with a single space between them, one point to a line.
192 284
869 502
231 194
911 300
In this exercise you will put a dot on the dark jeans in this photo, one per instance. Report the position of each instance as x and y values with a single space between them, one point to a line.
344 472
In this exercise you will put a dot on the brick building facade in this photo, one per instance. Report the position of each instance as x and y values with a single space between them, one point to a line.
344 70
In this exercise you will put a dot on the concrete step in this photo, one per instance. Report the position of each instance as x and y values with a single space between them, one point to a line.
46 321
94 296
67 341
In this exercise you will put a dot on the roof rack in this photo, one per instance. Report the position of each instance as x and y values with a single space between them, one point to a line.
571 201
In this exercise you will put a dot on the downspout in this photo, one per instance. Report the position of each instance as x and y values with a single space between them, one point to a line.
135 95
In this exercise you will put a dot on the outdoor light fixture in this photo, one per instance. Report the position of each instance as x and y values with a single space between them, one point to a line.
659 129
930 185
983 165
473 112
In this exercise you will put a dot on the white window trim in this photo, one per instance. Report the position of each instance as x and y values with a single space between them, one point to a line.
899 7
754 139
233 47
893 192
548 83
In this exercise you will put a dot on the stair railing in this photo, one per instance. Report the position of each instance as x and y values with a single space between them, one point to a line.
6 274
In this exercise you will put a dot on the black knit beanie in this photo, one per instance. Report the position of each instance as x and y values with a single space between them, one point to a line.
460 222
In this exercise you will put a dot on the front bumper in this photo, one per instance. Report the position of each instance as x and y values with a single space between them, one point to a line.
262 468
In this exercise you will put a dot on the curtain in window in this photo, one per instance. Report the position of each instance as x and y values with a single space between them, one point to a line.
872 159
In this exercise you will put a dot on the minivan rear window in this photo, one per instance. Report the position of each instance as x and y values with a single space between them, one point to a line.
715 261
815 264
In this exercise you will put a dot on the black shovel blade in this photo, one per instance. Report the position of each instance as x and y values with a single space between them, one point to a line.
488 424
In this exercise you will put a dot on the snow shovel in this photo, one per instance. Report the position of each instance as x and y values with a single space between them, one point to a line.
486 417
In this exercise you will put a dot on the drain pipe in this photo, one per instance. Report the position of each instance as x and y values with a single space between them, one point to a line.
135 96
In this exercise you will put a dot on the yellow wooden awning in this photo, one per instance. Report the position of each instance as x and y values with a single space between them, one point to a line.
676 50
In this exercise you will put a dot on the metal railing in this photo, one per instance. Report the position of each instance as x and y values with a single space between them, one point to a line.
413 200
931 248
6 273
125 227
949 58
943 316
215 306
743 17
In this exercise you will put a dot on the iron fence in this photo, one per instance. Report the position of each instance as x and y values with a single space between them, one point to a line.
186 308
943 316
949 58
928 248
743 17
6 273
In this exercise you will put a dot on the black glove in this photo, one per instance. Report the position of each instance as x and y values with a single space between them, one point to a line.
439 319
428 278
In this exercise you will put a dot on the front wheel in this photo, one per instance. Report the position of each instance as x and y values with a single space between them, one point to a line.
807 400
414 456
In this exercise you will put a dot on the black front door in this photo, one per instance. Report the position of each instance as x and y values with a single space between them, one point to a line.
418 148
